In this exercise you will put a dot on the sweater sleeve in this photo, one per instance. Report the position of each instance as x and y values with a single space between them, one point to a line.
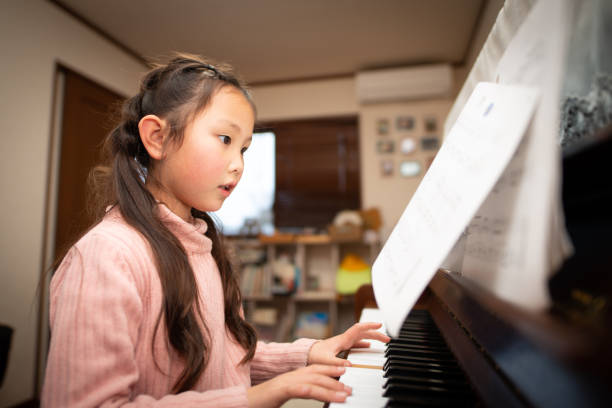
95 316
272 359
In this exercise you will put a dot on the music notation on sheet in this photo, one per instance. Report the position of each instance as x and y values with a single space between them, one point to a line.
517 236
468 165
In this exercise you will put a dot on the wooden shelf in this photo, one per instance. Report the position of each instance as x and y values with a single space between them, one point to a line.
258 297
311 239
307 252
314 296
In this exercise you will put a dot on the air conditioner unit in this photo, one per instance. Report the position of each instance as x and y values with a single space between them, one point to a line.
397 84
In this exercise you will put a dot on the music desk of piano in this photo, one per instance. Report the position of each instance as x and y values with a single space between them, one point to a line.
465 347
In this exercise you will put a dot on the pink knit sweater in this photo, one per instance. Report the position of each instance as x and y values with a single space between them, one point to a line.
105 299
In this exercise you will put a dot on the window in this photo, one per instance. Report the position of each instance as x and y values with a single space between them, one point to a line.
252 200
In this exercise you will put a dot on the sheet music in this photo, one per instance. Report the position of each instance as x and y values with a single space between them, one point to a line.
518 235
469 163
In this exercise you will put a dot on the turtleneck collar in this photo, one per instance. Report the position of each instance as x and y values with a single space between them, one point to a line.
191 234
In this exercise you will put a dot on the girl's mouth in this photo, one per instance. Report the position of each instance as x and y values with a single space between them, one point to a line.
226 189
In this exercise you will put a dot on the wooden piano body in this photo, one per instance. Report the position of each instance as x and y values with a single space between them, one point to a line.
510 357
514 358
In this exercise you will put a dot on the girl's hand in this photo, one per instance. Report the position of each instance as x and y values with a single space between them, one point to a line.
324 352
312 382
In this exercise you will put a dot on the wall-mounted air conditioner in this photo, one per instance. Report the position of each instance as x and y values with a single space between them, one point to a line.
420 82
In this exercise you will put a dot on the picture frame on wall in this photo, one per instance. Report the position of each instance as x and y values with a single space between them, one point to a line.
431 124
385 146
404 122
407 145
382 126
386 167
409 168
430 143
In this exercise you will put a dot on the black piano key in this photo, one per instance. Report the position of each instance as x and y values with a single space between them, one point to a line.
399 351
417 346
421 363
426 359
421 370
396 388
443 384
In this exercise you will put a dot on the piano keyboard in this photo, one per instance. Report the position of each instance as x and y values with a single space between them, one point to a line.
416 369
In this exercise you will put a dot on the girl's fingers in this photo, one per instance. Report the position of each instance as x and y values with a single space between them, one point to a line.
361 344
334 361
335 370
362 331
317 392
327 382
337 361
366 326
374 335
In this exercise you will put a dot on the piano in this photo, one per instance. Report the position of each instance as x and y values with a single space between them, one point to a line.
463 346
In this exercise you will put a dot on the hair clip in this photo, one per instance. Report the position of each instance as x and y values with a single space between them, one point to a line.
216 73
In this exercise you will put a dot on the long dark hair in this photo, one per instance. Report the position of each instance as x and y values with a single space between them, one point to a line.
176 92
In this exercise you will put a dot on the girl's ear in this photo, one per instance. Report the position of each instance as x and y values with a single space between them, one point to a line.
153 131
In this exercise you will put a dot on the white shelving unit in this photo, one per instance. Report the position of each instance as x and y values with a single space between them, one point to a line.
318 258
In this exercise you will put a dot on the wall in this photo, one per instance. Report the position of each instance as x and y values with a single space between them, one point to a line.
392 193
308 99
36 35
336 97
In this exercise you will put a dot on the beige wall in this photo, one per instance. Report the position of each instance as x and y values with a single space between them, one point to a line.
308 99
392 193
35 36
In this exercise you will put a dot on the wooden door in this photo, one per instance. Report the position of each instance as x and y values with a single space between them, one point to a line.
89 113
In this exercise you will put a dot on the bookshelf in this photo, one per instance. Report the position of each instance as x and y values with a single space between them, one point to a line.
317 258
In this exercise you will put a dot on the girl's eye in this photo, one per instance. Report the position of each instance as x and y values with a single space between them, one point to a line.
225 139
243 150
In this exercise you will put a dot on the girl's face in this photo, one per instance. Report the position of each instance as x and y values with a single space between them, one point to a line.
202 171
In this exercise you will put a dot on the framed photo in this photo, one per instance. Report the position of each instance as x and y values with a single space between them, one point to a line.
410 168
430 143
404 122
386 168
408 145
431 124
382 126
385 146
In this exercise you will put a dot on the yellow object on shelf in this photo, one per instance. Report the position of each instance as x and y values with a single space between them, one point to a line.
352 262
353 273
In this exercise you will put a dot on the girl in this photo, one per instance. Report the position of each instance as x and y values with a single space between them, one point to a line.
145 308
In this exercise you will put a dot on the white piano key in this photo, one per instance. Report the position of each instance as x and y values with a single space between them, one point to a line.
367 383
366 356
367 388
374 315
369 314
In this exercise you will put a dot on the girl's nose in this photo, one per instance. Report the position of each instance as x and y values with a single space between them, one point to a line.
237 165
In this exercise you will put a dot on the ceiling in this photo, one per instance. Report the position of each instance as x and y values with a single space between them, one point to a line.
279 40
